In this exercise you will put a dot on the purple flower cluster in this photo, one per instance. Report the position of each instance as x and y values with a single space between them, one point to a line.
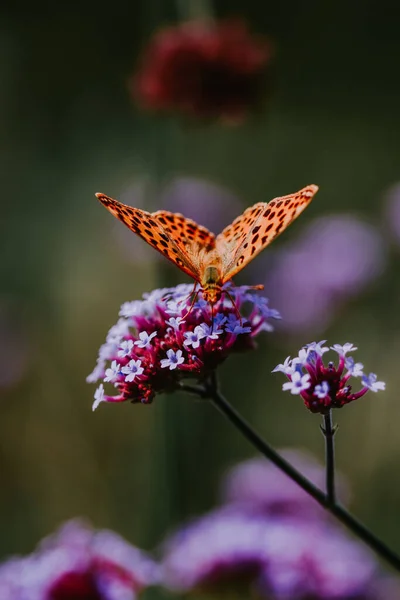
321 386
344 256
78 562
257 486
162 339
255 546
259 544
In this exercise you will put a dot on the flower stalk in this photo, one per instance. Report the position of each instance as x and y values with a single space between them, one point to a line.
329 430
210 391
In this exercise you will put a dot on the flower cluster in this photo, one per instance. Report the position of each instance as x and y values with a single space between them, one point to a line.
310 298
258 487
254 546
162 339
78 562
278 560
321 386
204 70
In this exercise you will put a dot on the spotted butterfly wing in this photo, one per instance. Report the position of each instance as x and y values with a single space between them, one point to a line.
181 240
257 227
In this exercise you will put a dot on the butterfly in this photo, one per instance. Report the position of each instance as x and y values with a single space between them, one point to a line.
212 260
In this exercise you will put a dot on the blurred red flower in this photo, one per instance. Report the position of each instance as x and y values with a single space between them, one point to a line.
204 70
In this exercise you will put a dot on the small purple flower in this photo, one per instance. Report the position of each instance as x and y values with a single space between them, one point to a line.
370 381
318 347
78 562
322 390
147 351
234 326
113 372
145 339
98 396
193 337
219 320
355 369
321 386
125 348
345 349
174 307
298 383
211 331
200 304
175 323
132 370
285 367
173 361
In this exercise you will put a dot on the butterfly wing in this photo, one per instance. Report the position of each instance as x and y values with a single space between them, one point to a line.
257 227
177 238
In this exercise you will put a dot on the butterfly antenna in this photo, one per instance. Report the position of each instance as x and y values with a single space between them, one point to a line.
234 306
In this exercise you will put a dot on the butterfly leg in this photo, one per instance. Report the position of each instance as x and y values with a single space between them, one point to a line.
237 311
193 293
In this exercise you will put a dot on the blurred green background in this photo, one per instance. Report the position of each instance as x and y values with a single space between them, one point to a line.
68 130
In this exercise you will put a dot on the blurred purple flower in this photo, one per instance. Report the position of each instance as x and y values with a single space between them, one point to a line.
278 559
206 203
224 548
257 486
335 258
319 563
78 563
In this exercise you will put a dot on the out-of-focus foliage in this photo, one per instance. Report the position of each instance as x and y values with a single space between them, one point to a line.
69 129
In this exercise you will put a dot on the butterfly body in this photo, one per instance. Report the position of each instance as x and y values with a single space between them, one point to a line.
212 260
211 284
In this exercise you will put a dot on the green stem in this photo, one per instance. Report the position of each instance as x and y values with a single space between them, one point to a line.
329 434
210 391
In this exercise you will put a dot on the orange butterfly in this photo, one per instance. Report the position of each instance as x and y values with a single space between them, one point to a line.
210 260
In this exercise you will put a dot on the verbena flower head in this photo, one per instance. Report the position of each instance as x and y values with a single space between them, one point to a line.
160 340
225 550
204 70
78 563
270 558
257 486
325 385
318 562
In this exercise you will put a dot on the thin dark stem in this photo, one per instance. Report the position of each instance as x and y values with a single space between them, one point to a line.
211 392
328 430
